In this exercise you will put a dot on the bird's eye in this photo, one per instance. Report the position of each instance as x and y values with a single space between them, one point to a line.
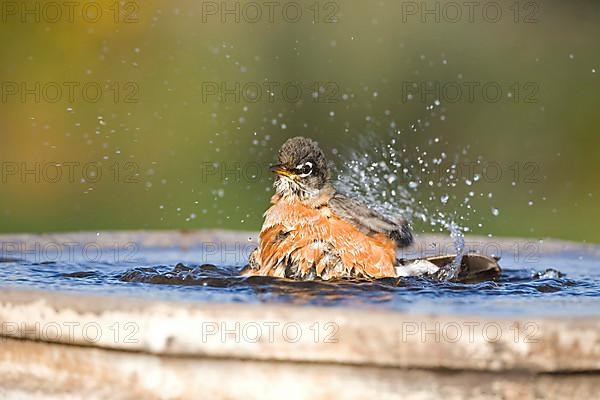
305 169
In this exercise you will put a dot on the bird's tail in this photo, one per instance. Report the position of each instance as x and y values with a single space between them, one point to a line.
403 235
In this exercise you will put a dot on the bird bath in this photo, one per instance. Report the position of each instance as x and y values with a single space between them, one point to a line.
166 315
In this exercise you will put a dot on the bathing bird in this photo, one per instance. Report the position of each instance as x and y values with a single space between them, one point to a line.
311 231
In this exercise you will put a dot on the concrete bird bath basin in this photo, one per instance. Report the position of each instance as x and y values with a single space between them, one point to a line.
117 316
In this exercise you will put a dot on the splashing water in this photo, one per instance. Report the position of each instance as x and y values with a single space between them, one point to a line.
452 270
398 177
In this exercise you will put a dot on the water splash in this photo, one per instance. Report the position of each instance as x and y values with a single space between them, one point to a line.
416 176
452 270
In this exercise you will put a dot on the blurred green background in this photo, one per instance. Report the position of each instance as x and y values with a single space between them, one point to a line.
161 148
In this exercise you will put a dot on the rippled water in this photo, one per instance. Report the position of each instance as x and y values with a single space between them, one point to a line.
556 284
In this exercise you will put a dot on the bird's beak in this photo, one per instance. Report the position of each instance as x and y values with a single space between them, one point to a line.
281 170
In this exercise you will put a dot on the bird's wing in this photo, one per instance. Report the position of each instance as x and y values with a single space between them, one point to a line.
370 221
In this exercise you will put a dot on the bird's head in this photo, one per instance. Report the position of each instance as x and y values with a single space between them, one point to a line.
302 170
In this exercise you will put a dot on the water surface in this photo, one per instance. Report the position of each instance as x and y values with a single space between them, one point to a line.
560 284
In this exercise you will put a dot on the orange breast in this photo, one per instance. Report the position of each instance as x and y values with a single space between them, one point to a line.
311 238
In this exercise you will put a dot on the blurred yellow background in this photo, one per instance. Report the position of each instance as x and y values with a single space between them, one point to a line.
138 105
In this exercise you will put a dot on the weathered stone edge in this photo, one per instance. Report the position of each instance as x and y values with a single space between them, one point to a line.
54 371
194 238
302 334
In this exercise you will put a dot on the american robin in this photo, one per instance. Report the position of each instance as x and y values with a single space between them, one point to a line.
312 231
